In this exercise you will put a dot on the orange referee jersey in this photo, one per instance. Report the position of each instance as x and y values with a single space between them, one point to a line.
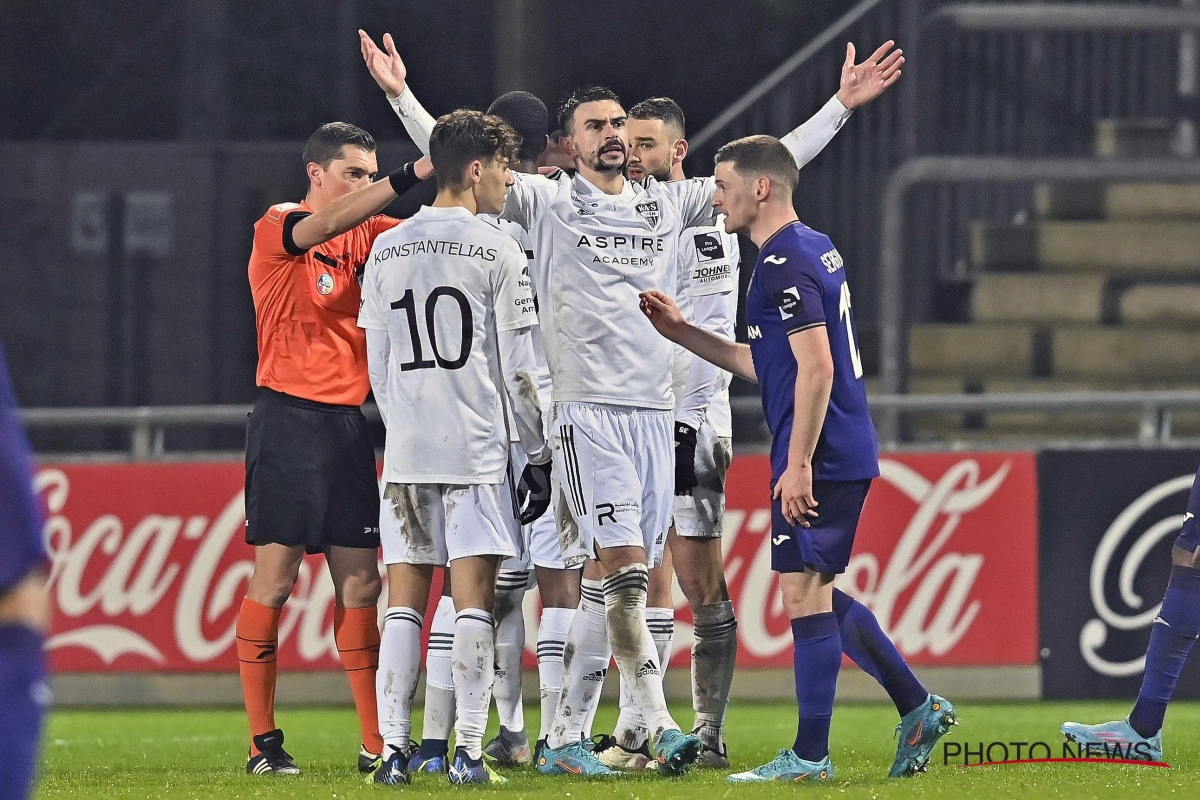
306 308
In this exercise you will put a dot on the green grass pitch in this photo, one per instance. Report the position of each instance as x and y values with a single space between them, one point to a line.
201 754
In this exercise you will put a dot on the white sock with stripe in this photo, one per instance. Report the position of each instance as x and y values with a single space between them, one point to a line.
473 668
396 680
631 731
583 669
552 638
439 683
510 648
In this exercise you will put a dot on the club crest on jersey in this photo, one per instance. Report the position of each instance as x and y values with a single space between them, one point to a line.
788 302
708 247
325 284
649 212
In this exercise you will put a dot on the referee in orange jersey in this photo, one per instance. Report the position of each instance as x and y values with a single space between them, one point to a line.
311 484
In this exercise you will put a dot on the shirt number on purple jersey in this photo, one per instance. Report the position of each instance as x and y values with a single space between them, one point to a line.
844 313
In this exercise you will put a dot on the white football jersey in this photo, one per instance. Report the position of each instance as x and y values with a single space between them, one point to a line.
442 285
539 348
709 261
594 253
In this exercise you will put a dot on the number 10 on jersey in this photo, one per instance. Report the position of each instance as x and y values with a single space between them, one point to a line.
466 320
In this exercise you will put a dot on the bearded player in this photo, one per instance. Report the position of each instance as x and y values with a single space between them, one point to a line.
601 240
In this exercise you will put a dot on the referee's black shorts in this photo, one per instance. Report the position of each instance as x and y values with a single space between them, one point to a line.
310 475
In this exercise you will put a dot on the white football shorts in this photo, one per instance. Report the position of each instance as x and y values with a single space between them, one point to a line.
436 523
701 514
614 469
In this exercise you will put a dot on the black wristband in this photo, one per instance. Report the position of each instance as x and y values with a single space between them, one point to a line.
404 178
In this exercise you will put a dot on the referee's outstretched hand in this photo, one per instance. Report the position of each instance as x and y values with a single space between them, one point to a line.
533 492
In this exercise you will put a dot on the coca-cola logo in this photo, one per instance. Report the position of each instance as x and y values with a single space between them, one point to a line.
121 590
1133 534
149 566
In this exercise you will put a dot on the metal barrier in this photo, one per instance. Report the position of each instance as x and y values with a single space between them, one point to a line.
148 423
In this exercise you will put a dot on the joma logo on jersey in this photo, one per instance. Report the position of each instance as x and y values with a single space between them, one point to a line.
832 260
753 332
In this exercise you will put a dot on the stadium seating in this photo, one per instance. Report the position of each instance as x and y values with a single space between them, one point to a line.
1101 290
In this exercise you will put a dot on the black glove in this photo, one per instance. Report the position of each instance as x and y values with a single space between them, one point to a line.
533 492
685 459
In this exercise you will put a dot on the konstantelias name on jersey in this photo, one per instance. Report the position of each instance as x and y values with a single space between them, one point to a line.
436 247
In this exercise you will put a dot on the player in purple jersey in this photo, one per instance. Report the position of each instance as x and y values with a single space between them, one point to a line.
24 614
804 355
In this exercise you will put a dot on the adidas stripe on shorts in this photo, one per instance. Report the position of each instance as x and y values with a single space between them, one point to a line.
614 467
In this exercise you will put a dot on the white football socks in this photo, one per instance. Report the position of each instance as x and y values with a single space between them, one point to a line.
473 668
510 647
585 663
396 680
633 647
631 732
439 683
552 638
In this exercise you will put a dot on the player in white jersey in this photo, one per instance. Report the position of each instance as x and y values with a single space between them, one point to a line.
600 240
449 312
707 295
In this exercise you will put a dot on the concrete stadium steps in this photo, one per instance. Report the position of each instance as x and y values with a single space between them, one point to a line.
1034 425
1038 297
1082 298
1124 247
997 350
1118 201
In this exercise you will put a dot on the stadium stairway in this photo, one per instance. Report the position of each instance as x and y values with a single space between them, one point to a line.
1100 292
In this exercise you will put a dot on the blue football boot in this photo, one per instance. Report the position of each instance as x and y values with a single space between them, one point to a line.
571 759
919 732
466 770
676 751
1115 740
433 762
393 769
787 766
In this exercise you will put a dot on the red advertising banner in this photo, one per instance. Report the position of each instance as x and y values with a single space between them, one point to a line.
149 564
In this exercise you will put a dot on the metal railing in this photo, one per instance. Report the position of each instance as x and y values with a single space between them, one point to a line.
147 424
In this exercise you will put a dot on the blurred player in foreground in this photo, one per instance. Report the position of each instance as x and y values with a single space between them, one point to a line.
804 356
1172 635
24 610
449 315
311 483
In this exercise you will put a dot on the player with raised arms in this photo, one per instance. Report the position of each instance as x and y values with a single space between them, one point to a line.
803 353
601 240
449 313
311 484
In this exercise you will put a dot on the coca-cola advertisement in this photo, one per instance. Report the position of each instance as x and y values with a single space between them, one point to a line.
149 564
1108 520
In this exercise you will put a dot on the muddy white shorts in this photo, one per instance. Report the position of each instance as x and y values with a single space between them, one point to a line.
541 537
614 468
436 523
701 514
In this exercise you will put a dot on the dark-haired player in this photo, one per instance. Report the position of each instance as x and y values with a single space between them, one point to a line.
449 315
24 611
599 241
310 466
803 353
